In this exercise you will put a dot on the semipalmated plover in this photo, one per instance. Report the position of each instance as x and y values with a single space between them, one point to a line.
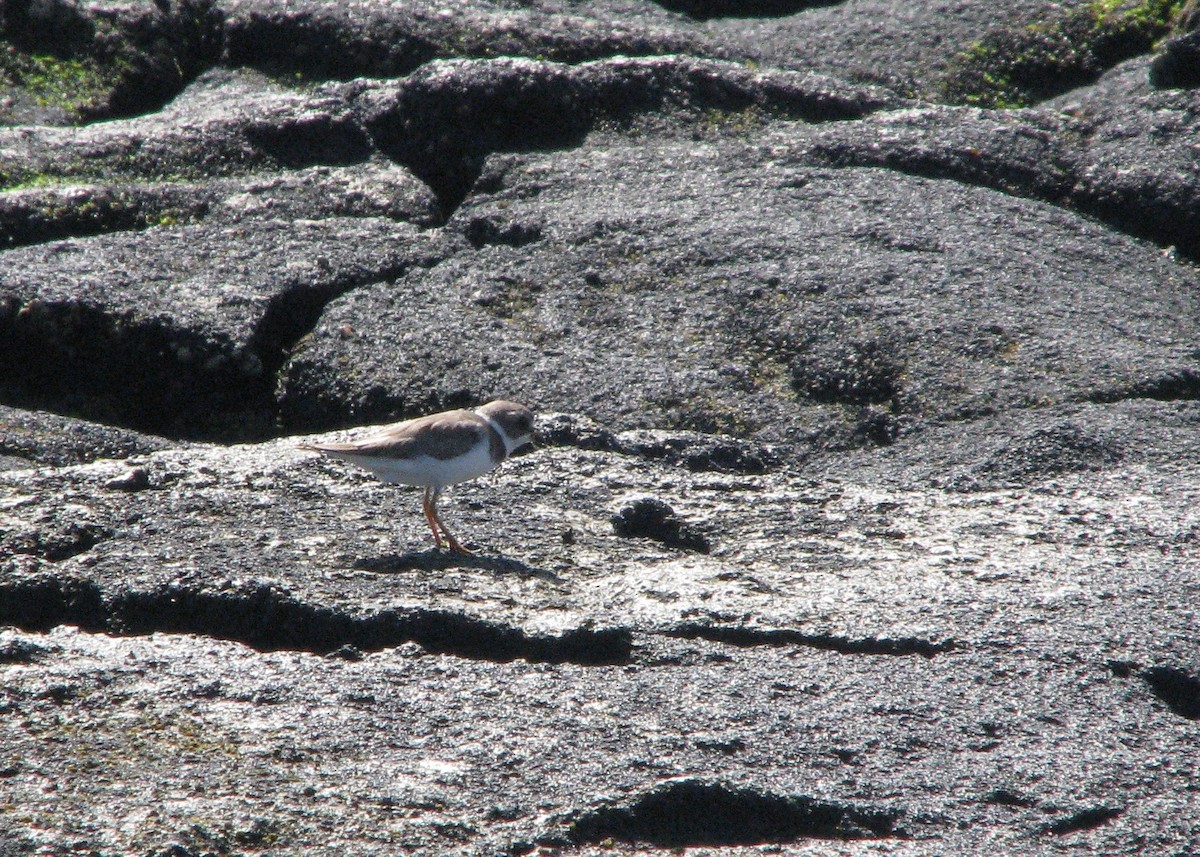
437 451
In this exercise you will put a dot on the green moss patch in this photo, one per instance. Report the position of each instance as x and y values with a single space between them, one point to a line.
75 86
1016 67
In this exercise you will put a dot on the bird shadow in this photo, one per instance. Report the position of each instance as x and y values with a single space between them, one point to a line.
434 559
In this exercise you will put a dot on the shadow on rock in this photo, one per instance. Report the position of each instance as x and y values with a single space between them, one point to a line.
438 560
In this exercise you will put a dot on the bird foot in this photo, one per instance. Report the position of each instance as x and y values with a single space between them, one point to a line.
455 546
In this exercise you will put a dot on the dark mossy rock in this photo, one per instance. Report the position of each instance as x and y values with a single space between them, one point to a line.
1177 64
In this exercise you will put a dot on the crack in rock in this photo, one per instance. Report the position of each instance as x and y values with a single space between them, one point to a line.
1179 385
448 115
697 451
746 637
689 812
1085 819
1007 797
141 54
36 216
1179 690
216 355
705 10
311 139
292 314
266 619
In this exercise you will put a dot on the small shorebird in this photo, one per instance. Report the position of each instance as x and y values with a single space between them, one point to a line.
437 451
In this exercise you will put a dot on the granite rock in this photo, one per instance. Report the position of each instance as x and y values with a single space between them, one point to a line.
861 514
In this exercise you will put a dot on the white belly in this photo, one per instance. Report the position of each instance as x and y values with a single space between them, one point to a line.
425 470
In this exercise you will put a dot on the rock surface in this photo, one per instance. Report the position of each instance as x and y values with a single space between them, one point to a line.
863 510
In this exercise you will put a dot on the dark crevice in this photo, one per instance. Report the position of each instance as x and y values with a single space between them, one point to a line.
1006 797
312 139
443 137
746 637
1143 215
1177 63
50 215
324 44
705 10
266 619
294 312
699 452
1121 668
443 126
435 559
1180 385
40 604
22 652
969 166
1147 212
689 813
1085 819
82 361
1178 690
138 58
490 231
165 56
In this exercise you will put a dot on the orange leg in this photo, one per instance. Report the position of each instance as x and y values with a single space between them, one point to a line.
451 542
431 516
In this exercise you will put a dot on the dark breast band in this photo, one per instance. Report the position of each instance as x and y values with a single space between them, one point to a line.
496 446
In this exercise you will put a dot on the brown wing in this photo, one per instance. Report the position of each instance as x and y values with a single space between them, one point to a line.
441 436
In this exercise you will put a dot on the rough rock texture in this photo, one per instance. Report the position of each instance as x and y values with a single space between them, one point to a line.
939 671
863 513
28 438
839 307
